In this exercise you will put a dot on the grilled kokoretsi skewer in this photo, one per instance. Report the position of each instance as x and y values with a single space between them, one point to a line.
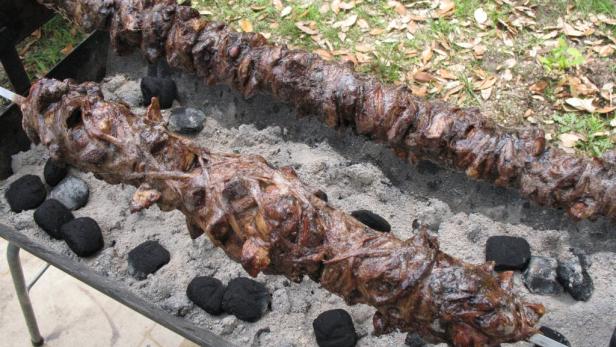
415 128
269 221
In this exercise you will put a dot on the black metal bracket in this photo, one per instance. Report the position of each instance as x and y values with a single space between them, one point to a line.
13 66
18 19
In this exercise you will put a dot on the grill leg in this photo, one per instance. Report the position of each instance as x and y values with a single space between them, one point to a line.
12 256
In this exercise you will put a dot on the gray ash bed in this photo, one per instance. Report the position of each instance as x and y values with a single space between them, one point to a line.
355 174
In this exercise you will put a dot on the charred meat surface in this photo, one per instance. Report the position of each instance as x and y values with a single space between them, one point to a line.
268 220
414 128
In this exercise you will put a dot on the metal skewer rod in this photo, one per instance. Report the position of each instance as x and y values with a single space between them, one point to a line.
9 95
544 341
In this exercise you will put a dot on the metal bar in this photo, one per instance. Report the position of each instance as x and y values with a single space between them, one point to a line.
115 290
15 70
10 96
37 277
23 17
12 256
87 62
544 341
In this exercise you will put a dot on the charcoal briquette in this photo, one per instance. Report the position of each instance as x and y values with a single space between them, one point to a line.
162 88
146 259
508 252
83 236
26 193
54 172
334 328
247 299
206 292
51 215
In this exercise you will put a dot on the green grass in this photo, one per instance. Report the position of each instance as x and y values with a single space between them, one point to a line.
596 6
473 99
585 6
549 92
442 27
593 128
47 50
562 57
386 66
466 8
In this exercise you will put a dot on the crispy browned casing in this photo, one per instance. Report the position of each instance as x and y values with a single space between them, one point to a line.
269 221
414 128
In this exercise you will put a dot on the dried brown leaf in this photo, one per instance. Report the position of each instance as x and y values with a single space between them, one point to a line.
398 7
481 17
606 91
606 109
350 58
538 87
346 23
286 11
347 5
246 25
67 49
420 91
486 93
363 58
446 8
278 4
607 20
507 75
363 24
446 74
305 28
363 47
581 87
479 51
604 51
487 83
423 77
326 55
568 140
569 30
426 55
581 104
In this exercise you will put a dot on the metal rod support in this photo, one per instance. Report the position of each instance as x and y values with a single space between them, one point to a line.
12 256
37 277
